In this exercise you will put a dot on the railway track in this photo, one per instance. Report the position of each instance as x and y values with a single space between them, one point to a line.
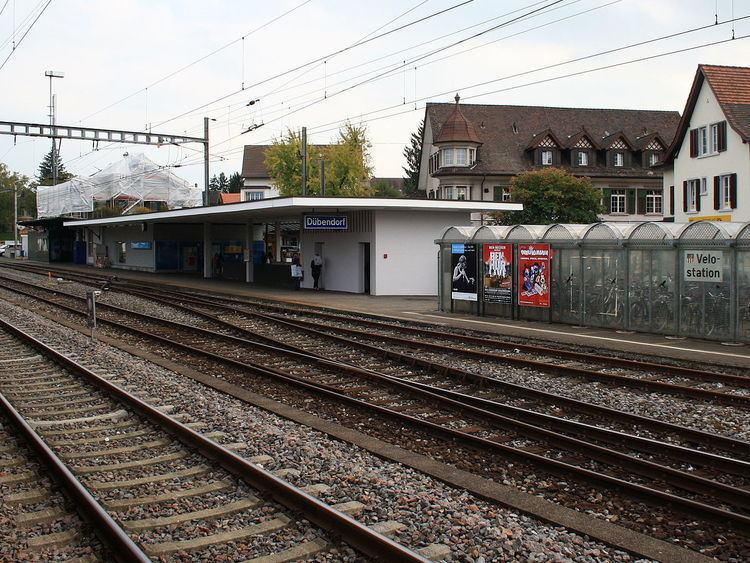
151 485
483 423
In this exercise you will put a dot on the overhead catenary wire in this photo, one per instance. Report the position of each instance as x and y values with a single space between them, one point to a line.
28 29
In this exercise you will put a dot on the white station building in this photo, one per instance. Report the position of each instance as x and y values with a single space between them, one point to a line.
368 245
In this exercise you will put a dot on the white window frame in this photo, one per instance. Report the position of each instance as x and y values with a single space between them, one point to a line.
714 146
462 193
618 204
447 192
725 192
505 193
653 158
472 156
693 193
460 157
619 159
546 157
583 158
654 202
434 159
703 148
254 196
446 157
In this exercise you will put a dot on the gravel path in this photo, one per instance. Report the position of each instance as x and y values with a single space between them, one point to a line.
432 512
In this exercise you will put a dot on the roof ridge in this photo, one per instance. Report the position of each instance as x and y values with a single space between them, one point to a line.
552 107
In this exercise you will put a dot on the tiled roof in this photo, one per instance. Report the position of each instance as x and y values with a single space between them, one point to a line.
230 198
254 161
507 131
731 85
457 129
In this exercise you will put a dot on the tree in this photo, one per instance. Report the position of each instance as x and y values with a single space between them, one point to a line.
26 199
45 171
347 164
413 155
550 196
235 183
383 188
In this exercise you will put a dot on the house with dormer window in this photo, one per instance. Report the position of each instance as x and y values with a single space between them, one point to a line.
707 166
473 152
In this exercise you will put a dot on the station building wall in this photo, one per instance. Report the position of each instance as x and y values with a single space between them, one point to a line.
407 239
133 259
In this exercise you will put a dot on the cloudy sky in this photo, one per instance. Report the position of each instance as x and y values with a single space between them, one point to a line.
166 64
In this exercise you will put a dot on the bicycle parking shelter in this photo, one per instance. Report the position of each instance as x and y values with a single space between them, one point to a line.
690 280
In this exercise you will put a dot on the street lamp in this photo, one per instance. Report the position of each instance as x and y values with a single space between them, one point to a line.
53 74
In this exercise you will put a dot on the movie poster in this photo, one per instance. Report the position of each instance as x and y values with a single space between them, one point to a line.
533 275
464 266
498 273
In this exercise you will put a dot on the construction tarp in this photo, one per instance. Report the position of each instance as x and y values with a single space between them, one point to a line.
135 180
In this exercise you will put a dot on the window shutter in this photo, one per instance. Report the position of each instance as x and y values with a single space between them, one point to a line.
698 199
539 156
733 190
631 202
641 202
671 200
693 143
607 201
722 136
684 197
717 192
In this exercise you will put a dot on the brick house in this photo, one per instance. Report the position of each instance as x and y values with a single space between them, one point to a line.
473 151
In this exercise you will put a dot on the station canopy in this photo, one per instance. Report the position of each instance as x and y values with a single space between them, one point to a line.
134 180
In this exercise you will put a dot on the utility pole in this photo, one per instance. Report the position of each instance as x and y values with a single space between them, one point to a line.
205 161
53 74
304 161
322 174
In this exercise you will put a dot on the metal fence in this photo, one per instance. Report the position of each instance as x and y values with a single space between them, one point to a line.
686 280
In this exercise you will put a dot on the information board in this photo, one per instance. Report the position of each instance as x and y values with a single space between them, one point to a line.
703 265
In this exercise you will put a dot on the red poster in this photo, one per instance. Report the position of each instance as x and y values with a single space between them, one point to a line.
533 275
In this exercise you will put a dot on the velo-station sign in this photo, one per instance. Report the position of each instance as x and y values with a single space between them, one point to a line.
325 222
703 265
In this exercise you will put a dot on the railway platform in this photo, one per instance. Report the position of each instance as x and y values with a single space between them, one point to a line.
424 309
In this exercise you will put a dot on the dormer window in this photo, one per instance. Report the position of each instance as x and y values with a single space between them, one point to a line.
547 158
582 158
653 158
447 157
619 159
457 156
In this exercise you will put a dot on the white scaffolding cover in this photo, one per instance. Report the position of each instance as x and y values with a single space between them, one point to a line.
135 179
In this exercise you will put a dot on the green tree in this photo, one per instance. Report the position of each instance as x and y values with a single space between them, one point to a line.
413 155
26 199
550 196
347 164
44 175
222 183
383 188
235 183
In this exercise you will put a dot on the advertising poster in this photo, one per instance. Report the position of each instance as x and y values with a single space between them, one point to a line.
498 273
464 266
533 275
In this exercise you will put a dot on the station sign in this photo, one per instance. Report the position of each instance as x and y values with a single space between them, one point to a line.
325 222
464 265
533 275
498 273
703 265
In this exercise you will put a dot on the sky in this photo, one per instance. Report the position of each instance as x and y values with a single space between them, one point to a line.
164 65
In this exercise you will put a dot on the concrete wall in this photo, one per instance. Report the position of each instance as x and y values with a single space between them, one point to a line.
735 160
341 259
408 239
134 259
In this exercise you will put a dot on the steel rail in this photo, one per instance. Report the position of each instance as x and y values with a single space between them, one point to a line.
680 479
689 434
352 532
109 532
681 453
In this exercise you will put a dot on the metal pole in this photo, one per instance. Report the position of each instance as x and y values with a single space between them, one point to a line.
304 161
322 176
52 125
205 161
15 220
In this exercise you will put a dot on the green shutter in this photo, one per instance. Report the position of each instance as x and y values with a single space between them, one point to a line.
631 202
641 209
607 201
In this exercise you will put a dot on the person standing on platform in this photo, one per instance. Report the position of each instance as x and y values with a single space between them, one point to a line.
217 264
316 266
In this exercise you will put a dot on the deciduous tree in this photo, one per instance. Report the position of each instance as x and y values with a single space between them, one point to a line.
26 199
550 196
